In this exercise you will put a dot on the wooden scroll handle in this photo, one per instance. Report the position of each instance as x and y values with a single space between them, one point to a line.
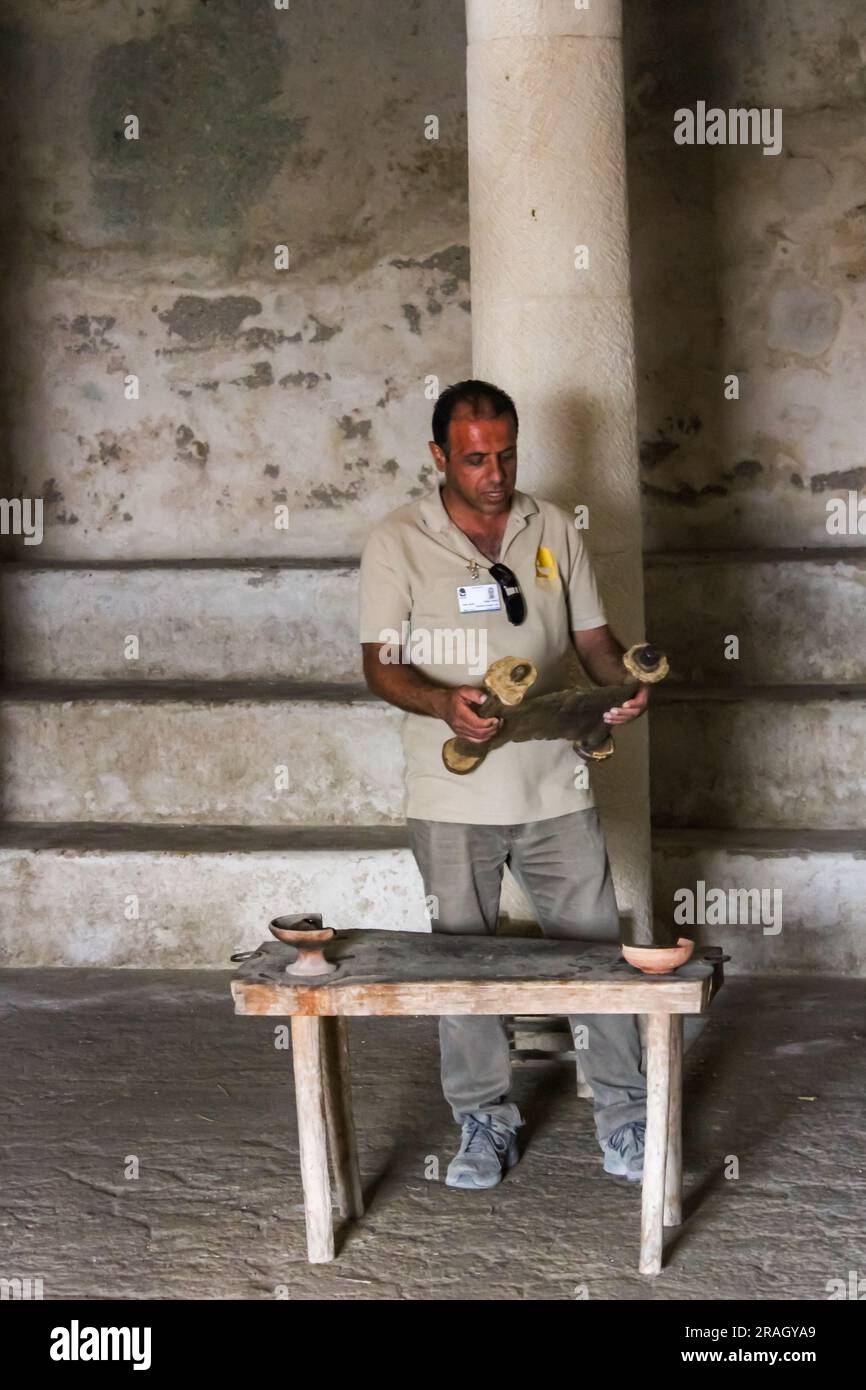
574 714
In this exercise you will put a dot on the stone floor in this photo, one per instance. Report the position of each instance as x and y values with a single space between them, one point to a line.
106 1071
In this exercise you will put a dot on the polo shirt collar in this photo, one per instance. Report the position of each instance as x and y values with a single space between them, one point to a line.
435 516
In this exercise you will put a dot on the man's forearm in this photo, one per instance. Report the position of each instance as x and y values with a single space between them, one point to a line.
403 685
601 656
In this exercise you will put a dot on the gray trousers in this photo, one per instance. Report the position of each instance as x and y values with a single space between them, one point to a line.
562 866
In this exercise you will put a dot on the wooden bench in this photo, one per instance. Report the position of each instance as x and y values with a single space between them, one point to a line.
384 973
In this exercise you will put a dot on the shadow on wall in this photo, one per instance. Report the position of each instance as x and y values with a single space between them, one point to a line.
14 64
672 61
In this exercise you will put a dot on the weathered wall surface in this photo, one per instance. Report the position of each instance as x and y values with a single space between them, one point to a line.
304 388
259 386
749 264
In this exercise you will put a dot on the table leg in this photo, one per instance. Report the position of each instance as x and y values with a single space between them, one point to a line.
674 1166
338 1113
658 1091
310 1105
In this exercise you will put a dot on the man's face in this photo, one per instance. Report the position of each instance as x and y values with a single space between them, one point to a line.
482 461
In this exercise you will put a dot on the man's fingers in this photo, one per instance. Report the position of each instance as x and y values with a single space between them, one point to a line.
620 715
475 729
468 724
477 721
480 726
481 730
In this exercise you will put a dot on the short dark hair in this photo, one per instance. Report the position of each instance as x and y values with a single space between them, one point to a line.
484 398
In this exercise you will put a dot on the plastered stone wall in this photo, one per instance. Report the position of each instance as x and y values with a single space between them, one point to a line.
749 264
259 387
304 389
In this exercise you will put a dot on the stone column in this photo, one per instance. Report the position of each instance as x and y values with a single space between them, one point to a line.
552 323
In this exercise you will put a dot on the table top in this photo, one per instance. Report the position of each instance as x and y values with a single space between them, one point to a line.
391 972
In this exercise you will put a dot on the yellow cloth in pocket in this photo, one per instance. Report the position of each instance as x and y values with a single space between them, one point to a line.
545 564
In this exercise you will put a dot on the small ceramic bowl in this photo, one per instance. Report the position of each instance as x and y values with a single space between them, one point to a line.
659 960
306 933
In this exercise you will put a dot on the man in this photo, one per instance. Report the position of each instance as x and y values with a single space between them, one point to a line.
480 568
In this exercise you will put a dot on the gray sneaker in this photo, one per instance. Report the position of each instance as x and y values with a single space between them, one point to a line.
624 1150
488 1149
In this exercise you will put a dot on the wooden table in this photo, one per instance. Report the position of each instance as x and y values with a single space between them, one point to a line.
383 973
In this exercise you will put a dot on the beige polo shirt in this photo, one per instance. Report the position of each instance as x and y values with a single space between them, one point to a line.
413 564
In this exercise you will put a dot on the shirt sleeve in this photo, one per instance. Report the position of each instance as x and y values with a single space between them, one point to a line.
585 608
385 600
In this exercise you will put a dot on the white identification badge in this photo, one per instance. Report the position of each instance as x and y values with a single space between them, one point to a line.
478 598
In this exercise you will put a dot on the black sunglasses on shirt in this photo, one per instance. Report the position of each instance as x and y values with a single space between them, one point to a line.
515 607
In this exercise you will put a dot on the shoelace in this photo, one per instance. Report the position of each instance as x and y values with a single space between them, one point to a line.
482 1134
619 1138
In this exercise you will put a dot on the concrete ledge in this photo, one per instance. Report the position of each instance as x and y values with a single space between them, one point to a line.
797 614
73 838
762 842
240 620
270 620
777 757
218 754
179 752
700 693
68 893
820 877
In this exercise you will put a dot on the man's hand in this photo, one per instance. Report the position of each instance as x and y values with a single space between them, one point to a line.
631 709
458 712
601 657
